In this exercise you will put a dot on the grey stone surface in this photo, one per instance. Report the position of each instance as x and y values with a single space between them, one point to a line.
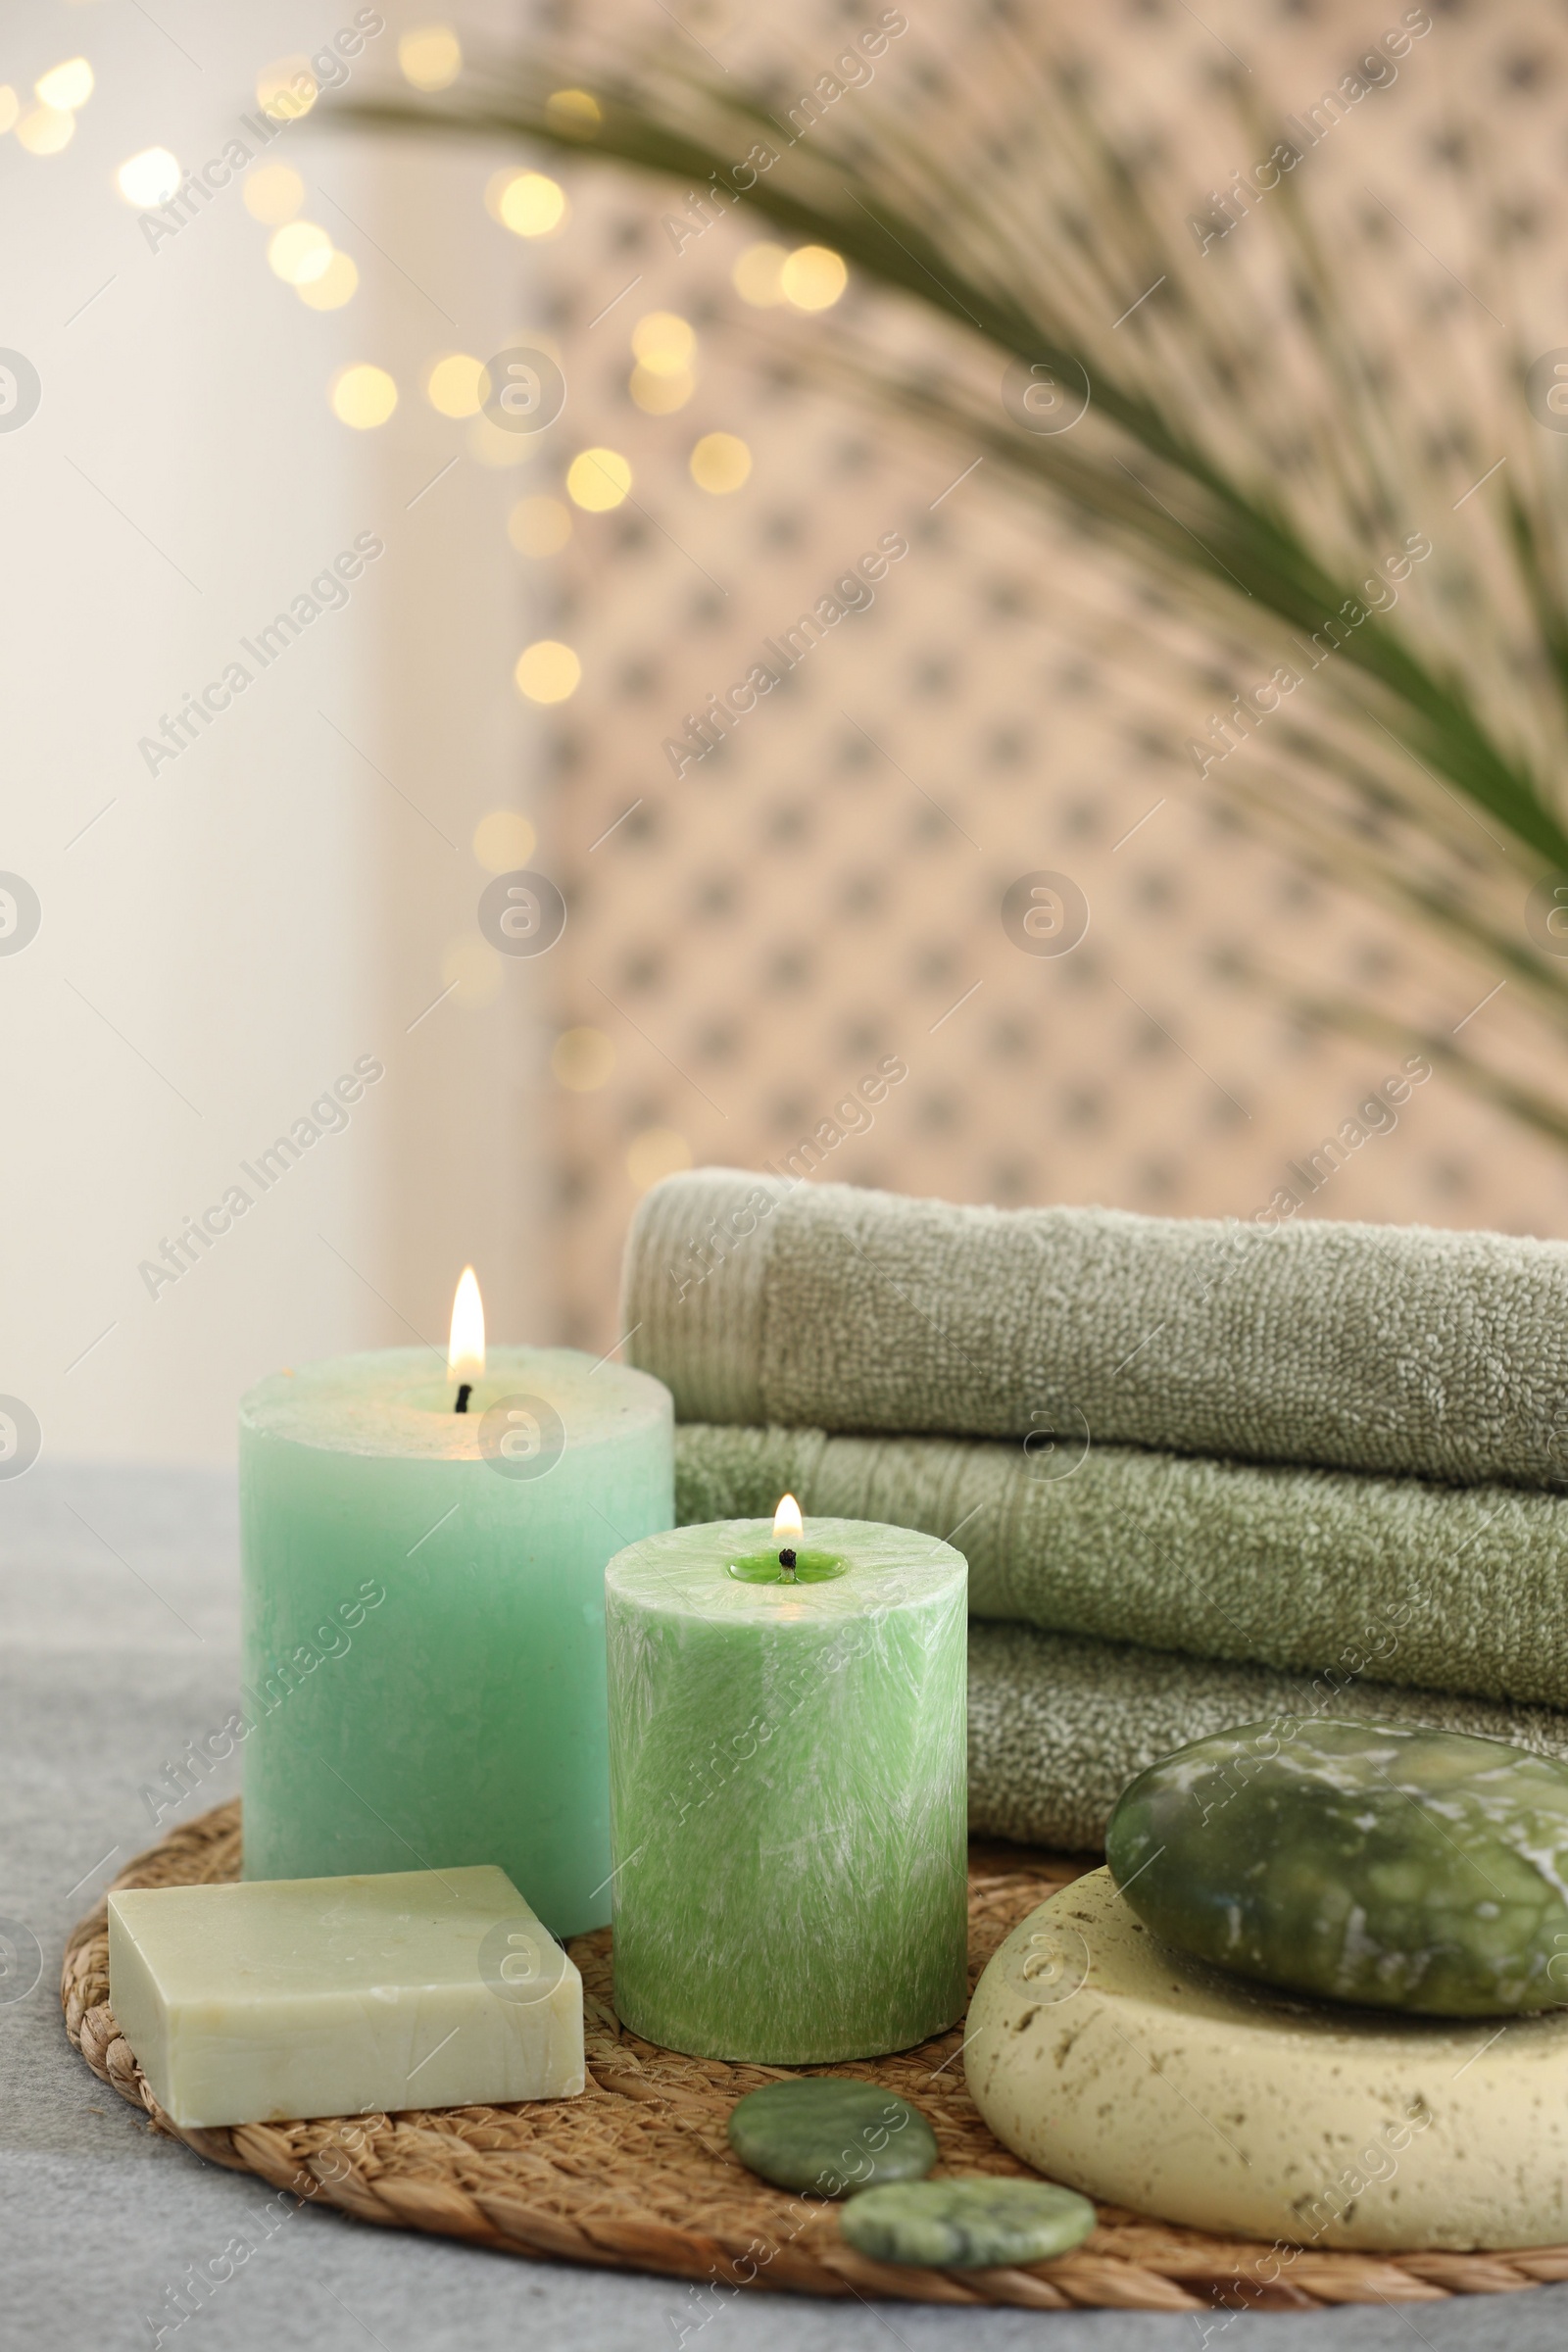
118 1616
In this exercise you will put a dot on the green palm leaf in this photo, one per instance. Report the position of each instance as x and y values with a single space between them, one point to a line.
1414 767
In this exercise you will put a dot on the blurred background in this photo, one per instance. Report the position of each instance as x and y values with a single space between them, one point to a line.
262 391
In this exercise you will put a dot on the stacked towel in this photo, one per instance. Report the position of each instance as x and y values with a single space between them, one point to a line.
1377 1348
1313 1470
1058 1726
1432 1587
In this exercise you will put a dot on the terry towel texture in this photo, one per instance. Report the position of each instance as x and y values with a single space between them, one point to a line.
1436 1587
1058 1726
1371 1348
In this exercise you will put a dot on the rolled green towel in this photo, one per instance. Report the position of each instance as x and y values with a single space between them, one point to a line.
1058 1726
1374 1348
1432 1587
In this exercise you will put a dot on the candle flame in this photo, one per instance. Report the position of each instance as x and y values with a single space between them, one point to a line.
787 1520
466 1354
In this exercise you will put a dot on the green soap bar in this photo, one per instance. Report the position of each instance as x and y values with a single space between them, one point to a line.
1413 1870
967 2224
830 2136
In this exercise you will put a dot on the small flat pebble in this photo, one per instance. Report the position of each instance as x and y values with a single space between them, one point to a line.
966 2225
833 2136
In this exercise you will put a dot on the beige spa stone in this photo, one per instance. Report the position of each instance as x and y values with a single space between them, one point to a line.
1120 2068
279 1998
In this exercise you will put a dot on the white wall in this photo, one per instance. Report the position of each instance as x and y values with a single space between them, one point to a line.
228 937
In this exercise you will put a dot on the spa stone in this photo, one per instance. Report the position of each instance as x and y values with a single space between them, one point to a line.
1403 1868
967 2224
830 2136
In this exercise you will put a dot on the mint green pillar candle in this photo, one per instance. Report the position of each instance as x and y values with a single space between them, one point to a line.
787 1793
424 1644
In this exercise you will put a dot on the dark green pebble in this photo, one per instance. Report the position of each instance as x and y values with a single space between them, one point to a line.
967 2224
833 2136
1400 1869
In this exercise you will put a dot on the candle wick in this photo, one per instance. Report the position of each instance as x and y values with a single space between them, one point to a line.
786 1560
464 1392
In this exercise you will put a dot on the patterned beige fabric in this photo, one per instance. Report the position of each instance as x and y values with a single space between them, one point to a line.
756 935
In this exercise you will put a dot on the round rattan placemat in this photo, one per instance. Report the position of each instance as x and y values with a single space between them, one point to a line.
637 2174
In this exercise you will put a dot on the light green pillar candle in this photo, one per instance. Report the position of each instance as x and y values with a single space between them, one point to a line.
788 1802
423 1646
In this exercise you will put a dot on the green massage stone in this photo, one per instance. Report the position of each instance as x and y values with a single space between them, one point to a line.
966 2225
829 2136
1414 1870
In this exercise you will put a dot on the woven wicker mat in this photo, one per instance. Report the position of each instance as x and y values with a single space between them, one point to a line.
636 2174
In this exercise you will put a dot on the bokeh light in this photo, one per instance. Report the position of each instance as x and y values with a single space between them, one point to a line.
503 841
721 462
66 86
548 672
148 179
812 277
598 479
430 57
656 1152
659 395
286 88
299 253
756 273
528 203
273 194
10 107
492 446
335 286
664 343
45 130
582 1059
539 526
576 109
363 396
456 385
470 969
